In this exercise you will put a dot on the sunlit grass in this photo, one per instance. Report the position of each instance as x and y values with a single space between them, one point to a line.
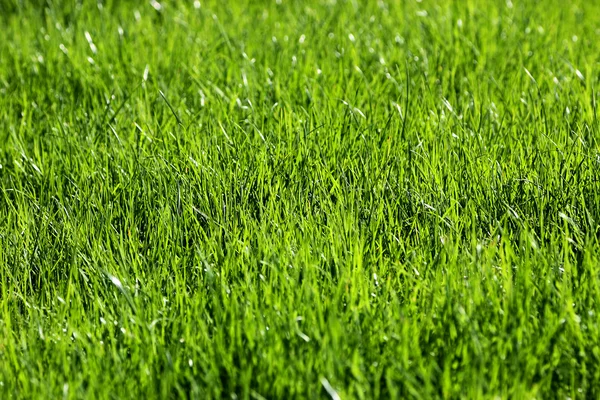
280 199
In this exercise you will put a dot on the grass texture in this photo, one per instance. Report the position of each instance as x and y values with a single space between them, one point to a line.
260 199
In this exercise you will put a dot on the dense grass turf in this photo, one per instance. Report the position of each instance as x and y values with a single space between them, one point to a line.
275 199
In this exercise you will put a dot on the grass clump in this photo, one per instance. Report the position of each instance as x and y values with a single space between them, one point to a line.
278 199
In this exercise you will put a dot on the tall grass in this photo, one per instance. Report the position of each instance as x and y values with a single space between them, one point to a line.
280 199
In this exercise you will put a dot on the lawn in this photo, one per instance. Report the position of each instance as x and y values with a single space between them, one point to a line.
279 199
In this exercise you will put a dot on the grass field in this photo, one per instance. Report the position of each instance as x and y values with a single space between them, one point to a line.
281 199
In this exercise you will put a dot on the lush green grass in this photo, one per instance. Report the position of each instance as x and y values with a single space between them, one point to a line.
288 199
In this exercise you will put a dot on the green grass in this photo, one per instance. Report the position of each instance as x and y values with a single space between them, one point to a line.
281 199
